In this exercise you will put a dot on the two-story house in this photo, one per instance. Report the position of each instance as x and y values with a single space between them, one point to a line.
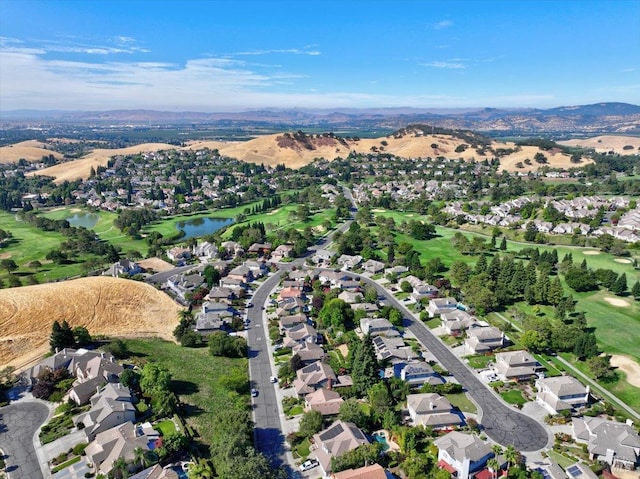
463 455
561 393
334 441
516 366
431 410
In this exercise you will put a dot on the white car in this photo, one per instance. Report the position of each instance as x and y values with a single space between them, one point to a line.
308 464
254 393
274 379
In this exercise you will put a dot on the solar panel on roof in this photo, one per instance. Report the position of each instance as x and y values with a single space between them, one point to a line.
574 471
357 433
333 432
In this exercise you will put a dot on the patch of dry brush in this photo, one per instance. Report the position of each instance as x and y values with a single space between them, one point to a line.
115 307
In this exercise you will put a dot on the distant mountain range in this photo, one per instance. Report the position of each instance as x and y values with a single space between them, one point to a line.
587 119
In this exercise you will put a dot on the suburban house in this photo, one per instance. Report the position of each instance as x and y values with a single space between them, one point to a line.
332 277
484 339
232 283
211 321
178 254
281 252
314 376
221 294
392 349
368 308
372 266
326 401
377 327
552 471
241 273
417 373
437 306
455 322
580 470
123 266
516 366
612 442
561 393
463 455
118 442
290 306
290 293
70 359
232 247
424 291
259 248
110 407
350 297
309 352
289 321
93 374
323 256
374 471
205 251
181 283
298 334
396 270
348 261
291 283
431 410
334 441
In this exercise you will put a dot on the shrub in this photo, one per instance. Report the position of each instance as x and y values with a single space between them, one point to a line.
78 449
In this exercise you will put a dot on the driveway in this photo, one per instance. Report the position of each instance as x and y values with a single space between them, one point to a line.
18 424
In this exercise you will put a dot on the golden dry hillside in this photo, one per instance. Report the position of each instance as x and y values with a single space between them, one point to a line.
31 150
296 150
104 305
608 143
81 168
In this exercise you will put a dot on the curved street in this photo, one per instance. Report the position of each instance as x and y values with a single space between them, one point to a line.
18 424
501 422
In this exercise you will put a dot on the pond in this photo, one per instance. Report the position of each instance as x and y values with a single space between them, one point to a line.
85 220
197 227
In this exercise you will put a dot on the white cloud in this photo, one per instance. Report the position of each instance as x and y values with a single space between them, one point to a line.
290 51
443 24
448 64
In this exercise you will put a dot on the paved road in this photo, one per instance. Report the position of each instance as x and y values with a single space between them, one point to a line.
501 422
18 424
160 278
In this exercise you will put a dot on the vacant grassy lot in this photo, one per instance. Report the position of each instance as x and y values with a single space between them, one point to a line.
196 380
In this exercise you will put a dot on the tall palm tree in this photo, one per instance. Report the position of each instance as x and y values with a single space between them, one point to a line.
497 449
511 454
120 468
494 467
140 457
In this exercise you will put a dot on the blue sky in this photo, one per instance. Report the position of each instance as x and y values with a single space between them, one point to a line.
226 56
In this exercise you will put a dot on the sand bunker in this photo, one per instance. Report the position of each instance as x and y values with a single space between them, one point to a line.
591 252
617 302
622 260
273 212
629 367
378 210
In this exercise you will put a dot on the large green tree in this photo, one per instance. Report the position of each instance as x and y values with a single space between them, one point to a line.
364 365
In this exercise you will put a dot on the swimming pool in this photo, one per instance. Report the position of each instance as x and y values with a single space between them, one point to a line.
381 437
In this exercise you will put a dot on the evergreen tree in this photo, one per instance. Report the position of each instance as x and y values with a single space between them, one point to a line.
555 293
635 291
620 286
541 289
586 346
364 366
481 265
503 244
61 336
494 268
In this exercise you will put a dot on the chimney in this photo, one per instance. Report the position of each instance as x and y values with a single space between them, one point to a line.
330 384
102 355
57 350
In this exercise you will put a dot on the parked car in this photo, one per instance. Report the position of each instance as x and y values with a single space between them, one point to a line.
254 393
308 464
274 379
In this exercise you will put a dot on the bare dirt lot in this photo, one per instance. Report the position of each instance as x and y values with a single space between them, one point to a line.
156 264
115 307
629 367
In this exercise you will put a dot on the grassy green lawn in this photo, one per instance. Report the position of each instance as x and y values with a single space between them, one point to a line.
562 461
479 362
196 380
64 465
513 397
165 427
462 402
302 449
